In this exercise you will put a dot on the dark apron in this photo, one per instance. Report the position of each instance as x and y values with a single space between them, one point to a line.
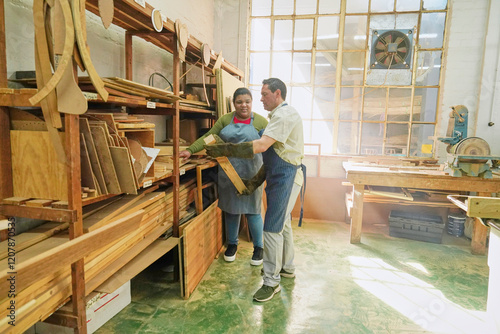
280 176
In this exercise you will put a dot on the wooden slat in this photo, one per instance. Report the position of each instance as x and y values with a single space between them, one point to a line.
52 214
228 168
124 170
108 168
92 153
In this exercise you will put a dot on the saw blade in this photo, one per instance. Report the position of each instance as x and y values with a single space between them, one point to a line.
472 146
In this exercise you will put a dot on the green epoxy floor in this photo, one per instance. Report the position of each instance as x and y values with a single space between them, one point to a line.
383 285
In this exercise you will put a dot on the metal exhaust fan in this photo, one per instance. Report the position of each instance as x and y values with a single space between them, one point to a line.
391 49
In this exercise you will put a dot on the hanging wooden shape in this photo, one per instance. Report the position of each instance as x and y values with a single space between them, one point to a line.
205 54
157 20
182 38
106 12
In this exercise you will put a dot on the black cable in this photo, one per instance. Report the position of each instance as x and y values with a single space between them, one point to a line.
151 78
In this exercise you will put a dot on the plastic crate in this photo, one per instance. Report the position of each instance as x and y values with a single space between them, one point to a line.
416 226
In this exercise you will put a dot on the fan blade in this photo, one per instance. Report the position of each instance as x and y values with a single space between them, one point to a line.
388 39
387 61
399 40
398 59
402 49
379 55
379 46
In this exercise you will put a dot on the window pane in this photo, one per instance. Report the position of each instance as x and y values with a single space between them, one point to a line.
348 138
374 104
432 30
259 67
324 103
329 6
305 7
435 4
353 66
283 7
257 106
355 32
428 68
372 137
397 138
301 68
303 35
283 30
322 132
326 64
328 33
301 99
282 66
307 132
357 6
420 144
261 7
382 5
407 5
425 104
399 104
261 35
350 103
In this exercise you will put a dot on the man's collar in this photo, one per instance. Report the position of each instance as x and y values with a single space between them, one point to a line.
279 106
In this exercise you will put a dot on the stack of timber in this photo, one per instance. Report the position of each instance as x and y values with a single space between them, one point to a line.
41 295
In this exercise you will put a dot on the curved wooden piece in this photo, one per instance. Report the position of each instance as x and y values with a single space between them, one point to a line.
82 47
69 41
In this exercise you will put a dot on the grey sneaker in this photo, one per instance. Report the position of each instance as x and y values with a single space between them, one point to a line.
230 253
284 273
257 256
266 293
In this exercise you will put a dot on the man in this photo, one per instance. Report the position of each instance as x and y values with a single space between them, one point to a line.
282 148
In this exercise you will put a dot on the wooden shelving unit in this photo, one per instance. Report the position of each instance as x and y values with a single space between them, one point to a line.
136 20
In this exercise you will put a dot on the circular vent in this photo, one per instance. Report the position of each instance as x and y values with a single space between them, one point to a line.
391 49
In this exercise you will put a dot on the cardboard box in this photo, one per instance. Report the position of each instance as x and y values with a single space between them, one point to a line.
100 308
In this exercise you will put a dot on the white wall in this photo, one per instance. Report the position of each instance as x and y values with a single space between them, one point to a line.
107 45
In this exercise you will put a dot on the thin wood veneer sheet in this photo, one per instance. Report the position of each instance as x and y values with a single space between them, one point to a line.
94 159
108 168
36 171
123 169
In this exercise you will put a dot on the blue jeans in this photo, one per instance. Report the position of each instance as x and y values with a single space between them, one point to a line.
255 225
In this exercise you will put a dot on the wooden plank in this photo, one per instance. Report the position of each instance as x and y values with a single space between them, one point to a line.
357 213
88 177
141 125
106 117
52 214
147 256
228 168
483 207
33 236
39 203
479 233
124 171
67 253
104 154
15 200
35 167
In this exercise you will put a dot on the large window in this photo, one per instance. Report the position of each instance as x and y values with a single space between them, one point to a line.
363 74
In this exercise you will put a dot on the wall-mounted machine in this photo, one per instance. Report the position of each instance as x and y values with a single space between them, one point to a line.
466 155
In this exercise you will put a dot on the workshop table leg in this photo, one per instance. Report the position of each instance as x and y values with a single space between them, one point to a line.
357 213
479 234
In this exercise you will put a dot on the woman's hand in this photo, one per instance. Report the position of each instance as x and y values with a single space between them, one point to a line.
184 154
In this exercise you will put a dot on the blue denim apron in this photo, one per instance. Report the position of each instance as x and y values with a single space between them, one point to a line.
280 176
246 169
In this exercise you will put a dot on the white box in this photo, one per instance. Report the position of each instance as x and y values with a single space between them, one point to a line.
100 308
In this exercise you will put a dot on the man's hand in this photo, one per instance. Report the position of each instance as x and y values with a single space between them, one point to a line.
255 182
242 150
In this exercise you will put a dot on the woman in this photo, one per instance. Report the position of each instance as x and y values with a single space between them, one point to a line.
236 127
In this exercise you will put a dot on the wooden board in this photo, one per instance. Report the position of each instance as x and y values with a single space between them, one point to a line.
87 176
228 168
108 168
92 153
36 171
226 85
483 207
124 171
202 240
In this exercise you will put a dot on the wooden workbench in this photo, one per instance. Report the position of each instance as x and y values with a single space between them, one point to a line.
359 176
